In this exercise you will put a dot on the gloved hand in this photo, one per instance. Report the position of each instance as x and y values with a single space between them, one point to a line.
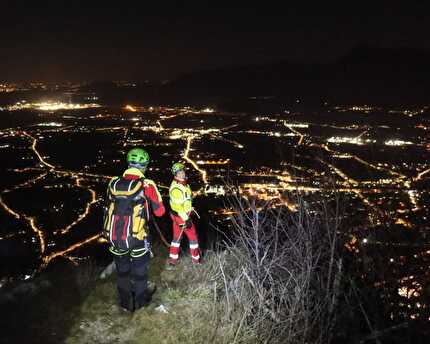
187 224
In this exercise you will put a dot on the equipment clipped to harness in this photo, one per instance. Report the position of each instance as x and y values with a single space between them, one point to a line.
136 252
187 224
139 252
126 215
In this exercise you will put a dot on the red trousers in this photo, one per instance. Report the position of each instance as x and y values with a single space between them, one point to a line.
178 233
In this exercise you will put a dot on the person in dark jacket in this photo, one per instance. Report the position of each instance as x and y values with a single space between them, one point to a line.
133 200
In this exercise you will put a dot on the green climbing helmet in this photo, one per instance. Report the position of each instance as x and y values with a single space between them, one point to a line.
138 157
176 167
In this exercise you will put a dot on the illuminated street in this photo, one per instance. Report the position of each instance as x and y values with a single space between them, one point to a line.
271 157
298 138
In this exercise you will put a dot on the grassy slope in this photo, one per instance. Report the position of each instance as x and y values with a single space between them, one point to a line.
186 293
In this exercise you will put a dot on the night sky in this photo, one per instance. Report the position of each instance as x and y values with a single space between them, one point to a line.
74 40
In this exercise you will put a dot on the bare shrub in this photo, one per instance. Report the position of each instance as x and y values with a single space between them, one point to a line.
277 276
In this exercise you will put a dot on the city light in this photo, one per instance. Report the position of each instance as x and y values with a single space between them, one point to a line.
62 253
350 140
397 143
422 174
130 108
50 106
33 147
87 207
269 158
50 124
192 162
296 132
213 162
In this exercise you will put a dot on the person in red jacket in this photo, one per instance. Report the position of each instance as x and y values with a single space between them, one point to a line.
133 199
180 196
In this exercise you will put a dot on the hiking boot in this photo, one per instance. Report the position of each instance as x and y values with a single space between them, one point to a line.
144 299
125 310
197 261
126 303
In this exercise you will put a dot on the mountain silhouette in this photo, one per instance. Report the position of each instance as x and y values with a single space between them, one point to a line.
364 54
363 74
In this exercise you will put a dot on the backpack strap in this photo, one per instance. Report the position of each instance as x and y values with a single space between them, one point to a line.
122 187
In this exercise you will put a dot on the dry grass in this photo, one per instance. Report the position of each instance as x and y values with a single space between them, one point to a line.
275 280
278 278
184 292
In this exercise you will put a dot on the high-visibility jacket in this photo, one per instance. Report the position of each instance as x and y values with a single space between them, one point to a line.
181 199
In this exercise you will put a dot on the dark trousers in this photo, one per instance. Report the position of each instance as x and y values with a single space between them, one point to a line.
132 280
